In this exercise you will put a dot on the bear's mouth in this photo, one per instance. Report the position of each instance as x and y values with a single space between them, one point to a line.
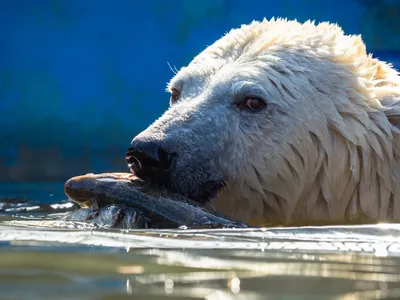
201 193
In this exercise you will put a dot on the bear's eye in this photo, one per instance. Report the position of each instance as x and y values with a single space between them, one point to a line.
253 104
175 94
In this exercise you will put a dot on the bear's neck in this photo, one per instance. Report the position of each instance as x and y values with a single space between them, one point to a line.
349 184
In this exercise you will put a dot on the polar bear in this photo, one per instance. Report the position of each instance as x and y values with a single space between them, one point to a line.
281 122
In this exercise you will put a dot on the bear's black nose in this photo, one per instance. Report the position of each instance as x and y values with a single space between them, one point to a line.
149 161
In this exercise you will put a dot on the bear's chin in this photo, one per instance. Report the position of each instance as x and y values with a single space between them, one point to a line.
204 192
201 193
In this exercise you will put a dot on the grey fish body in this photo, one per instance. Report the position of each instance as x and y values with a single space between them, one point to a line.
134 219
80 215
110 216
162 208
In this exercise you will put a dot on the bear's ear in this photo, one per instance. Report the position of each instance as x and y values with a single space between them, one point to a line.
392 110
395 121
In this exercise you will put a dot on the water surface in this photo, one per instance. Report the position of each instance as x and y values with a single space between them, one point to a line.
42 257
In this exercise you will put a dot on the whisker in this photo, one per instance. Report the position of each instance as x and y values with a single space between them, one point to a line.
172 69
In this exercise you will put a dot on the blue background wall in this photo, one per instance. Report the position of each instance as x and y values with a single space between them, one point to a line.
80 78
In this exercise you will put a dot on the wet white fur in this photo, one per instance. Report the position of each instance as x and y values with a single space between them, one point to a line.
328 152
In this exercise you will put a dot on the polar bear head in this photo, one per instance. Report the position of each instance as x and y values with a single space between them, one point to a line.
279 121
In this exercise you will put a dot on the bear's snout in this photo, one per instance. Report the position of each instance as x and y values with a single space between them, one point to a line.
149 160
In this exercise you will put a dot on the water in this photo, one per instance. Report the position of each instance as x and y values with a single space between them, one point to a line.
42 257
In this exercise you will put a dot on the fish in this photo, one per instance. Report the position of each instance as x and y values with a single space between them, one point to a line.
117 216
80 215
123 200
109 216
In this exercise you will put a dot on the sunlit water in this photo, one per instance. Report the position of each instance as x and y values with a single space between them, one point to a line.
45 258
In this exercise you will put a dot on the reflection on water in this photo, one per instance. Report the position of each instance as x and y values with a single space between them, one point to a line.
57 260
